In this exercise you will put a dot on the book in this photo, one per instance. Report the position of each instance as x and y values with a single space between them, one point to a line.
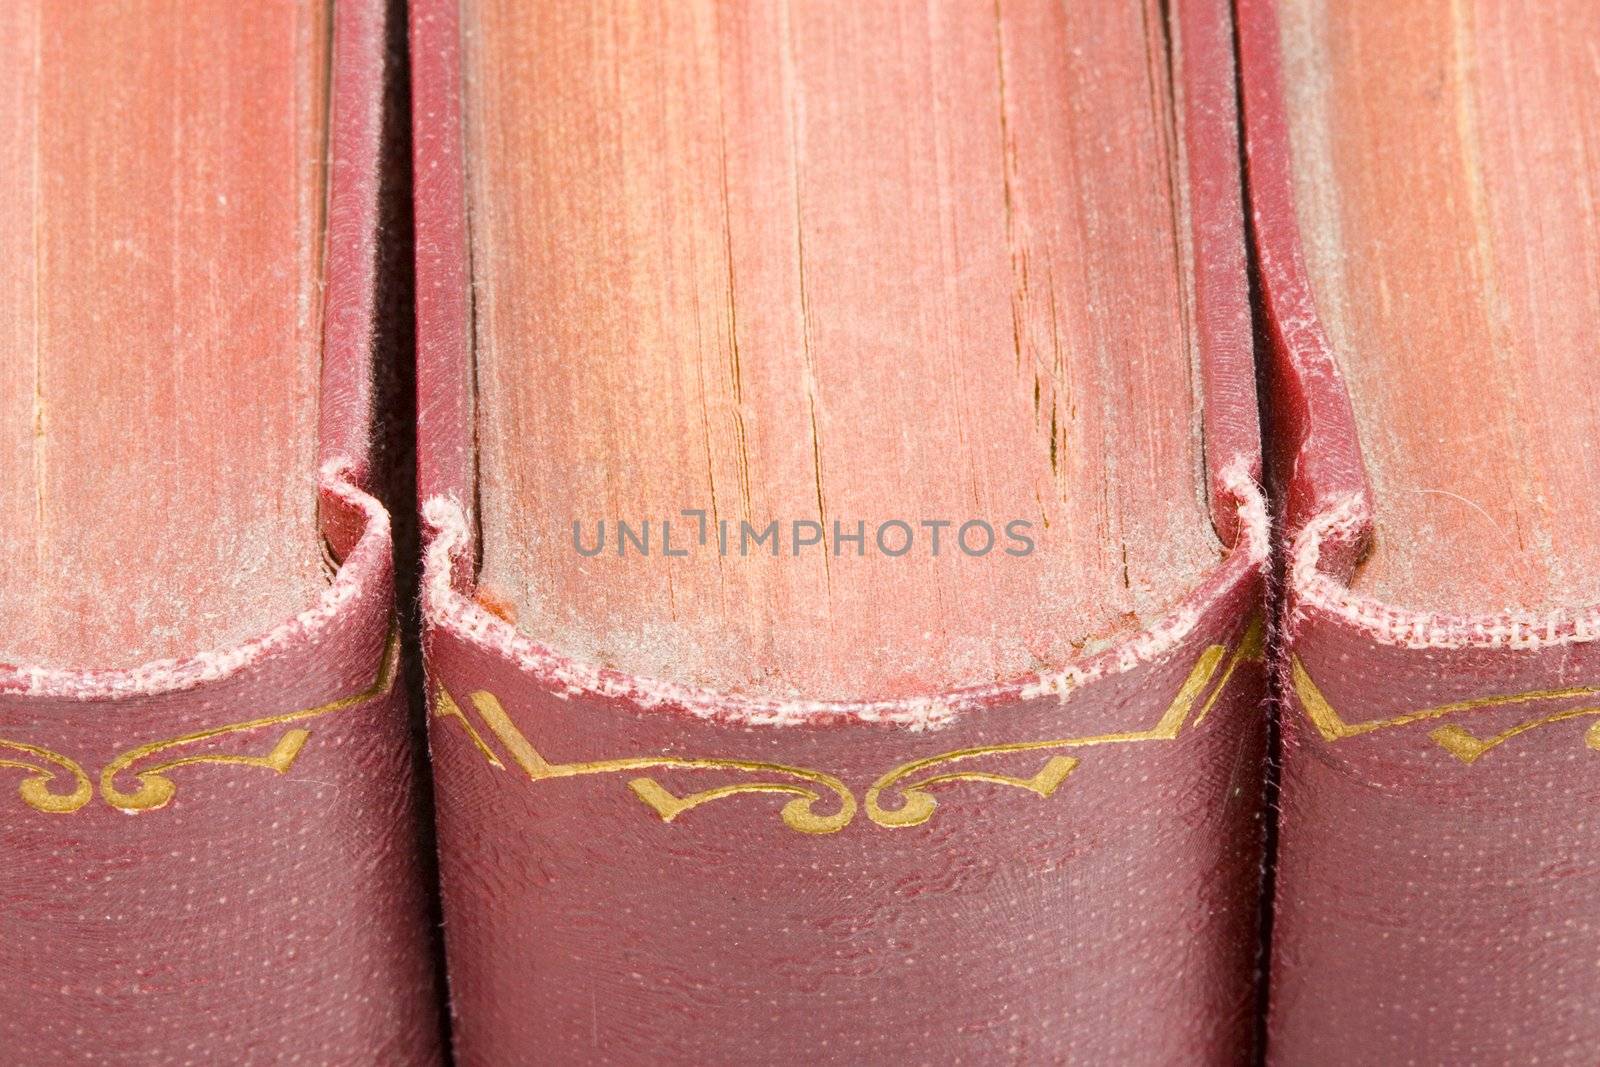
844 555
1423 190
209 838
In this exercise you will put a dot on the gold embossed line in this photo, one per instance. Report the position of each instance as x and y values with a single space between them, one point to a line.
805 786
47 773
917 803
909 783
1457 740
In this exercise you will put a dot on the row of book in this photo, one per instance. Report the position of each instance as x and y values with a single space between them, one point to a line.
853 532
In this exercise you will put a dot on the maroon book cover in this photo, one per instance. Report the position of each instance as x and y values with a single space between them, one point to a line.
1417 177
644 861
212 856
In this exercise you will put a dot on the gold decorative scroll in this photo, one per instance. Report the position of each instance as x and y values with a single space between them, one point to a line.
909 785
1457 740
47 773
805 786
43 768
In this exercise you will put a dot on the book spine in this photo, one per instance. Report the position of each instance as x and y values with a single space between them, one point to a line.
1435 859
218 859
1436 852
1062 871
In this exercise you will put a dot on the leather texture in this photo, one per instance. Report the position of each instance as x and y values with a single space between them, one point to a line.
1436 865
1110 920
1059 869
217 859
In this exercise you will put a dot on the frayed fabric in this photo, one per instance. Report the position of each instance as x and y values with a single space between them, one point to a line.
353 579
1343 522
446 608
